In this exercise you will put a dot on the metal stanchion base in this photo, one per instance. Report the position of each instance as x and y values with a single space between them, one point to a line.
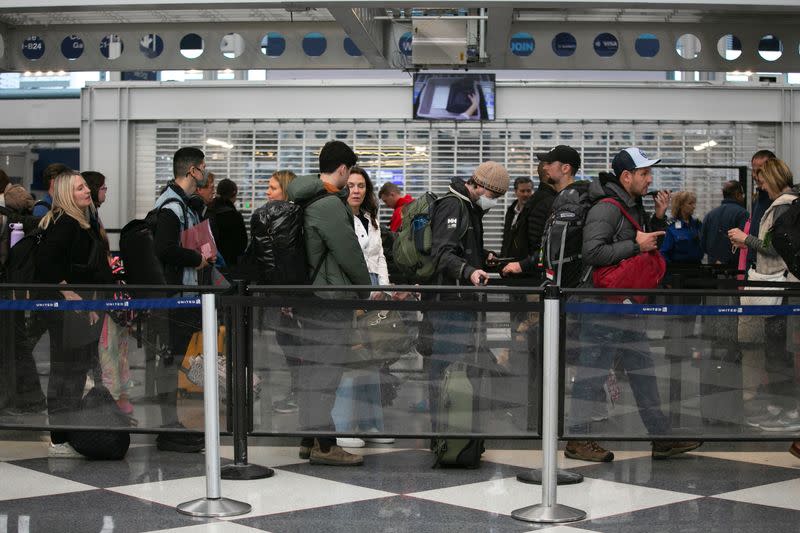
246 471
563 477
208 507
548 514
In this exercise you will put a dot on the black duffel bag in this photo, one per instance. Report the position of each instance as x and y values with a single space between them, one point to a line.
99 409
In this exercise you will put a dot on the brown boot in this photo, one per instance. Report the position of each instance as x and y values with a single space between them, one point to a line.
335 456
667 448
794 449
588 450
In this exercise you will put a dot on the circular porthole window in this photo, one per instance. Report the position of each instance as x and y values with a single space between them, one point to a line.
606 44
273 44
647 45
564 44
33 47
729 47
111 46
72 47
522 44
688 46
350 47
151 45
770 48
405 42
314 44
232 45
191 46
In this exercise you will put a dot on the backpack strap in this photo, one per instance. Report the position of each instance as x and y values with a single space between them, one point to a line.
44 203
183 209
623 211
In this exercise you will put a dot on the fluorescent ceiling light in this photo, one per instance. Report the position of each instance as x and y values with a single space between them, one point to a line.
217 142
705 145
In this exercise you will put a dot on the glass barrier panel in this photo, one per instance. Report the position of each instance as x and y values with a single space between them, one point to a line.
708 365
400 364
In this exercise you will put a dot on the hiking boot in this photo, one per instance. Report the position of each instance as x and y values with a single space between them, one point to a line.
794 449
667 448
335 456
588 450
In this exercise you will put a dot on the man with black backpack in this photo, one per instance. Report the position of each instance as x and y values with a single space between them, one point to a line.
459 258
180 267
334 258
617 229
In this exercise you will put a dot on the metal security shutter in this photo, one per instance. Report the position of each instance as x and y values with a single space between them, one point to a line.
426 156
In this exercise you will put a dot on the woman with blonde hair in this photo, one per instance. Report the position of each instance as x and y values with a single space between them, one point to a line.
782 413
682 240
71 252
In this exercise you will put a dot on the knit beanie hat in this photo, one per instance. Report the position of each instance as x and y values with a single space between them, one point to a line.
492 176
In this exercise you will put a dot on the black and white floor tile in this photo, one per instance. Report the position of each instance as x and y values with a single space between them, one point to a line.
719 488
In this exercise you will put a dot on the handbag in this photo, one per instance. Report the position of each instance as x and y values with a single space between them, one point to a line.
752 275
642 271
381 338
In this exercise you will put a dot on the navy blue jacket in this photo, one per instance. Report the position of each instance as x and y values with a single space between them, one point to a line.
682 242
714 235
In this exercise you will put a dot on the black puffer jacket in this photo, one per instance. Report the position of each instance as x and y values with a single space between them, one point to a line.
457 236
276 244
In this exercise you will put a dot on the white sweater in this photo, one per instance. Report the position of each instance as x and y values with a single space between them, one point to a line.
372 247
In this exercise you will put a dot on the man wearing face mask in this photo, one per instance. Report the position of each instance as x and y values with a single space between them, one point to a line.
457 249
181 266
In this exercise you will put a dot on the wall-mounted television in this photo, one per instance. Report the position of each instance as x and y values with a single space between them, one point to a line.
464 96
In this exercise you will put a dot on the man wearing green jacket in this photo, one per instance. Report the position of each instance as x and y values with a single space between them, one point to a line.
334 258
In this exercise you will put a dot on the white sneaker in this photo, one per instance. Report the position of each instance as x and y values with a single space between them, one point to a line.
350 443
63 451
379 441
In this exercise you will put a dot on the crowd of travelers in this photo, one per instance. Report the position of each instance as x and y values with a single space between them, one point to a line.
323 230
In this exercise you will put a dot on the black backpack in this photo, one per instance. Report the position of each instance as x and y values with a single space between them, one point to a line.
21 264
137 248
276 254
562 238
98 408
786 237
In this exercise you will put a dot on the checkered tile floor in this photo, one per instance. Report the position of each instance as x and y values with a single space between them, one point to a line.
721 487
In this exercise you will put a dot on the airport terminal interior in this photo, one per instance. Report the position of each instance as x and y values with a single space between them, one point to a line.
508 396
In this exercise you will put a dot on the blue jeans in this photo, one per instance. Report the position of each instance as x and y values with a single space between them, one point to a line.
600 343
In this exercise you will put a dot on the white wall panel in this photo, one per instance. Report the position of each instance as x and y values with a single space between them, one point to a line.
44 114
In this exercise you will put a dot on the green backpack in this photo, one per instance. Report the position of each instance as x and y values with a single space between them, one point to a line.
412 246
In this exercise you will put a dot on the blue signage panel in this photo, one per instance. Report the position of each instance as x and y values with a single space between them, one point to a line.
350 47
273 44
564 44
314 44
72 47
33 47
606 45
647 45
522 44
405 42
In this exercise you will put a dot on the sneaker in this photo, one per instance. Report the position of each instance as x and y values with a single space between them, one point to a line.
287 405
794 449
63 451
773 413
588 450
377 440
668 448
350 443
788 421
335 456
180 442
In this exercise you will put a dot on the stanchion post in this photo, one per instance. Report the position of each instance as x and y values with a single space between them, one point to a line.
240 396
549 512
213 505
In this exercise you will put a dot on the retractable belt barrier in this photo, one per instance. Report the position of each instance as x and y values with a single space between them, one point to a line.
100 305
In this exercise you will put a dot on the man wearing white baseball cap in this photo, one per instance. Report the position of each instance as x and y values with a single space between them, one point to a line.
617 229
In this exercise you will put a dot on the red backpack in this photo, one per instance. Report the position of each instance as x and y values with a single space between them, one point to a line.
642 271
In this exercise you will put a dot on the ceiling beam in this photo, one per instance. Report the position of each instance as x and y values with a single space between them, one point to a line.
365 31
498 34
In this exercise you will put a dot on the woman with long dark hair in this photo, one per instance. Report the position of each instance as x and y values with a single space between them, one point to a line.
227 223
71 252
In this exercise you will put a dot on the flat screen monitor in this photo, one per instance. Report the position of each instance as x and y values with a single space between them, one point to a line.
460 96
